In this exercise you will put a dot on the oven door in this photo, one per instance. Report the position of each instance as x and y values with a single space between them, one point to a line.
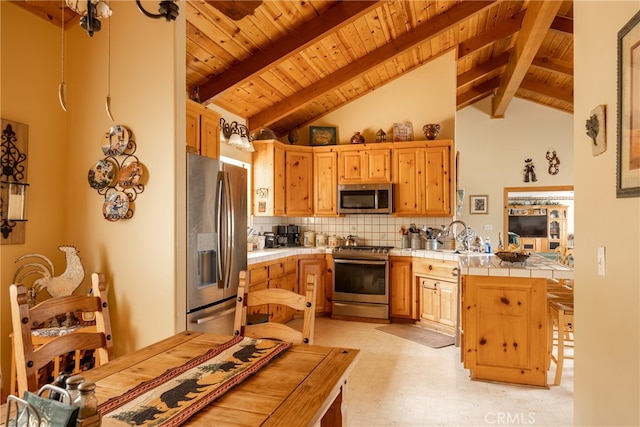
357 280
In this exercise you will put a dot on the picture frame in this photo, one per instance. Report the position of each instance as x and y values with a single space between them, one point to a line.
322 135
402 132
479 204
628 149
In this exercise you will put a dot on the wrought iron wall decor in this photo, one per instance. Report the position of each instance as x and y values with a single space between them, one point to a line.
117 176
13 183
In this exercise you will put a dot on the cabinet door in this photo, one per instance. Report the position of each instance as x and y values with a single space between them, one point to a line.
279 183
328 283
407 171
193 127
210 134
350 167
378 165
401 289
437 181
448 304
299 183
429 299
313 266
325 183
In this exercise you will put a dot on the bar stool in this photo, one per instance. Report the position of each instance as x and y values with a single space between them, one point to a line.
561 320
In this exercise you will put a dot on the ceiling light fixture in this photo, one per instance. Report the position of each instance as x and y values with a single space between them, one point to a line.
90 11
168 9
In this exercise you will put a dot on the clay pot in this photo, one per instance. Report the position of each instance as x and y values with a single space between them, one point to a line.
431 130
357 138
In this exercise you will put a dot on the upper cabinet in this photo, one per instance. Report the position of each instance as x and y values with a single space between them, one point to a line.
422 178
282 179
325 181
203 130
364 164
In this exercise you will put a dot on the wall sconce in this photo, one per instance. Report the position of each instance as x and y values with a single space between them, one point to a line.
236 135
15 211
167 9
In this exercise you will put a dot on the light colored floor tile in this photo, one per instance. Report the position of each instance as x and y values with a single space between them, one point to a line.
397 382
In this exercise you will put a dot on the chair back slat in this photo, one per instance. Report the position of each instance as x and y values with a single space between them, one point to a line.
305 303
30 357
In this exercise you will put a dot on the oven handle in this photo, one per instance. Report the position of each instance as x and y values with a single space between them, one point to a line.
359 261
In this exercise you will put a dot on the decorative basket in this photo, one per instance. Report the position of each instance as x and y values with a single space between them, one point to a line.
512 256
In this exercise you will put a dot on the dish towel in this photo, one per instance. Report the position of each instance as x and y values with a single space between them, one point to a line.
173 397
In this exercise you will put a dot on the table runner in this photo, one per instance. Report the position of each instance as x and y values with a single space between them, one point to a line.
173 397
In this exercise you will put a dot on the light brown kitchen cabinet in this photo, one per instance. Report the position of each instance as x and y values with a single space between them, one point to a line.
436 282
403 299
279 274
504 327
203 130
422 178
298 182
282 179
314 264
364 164
325 181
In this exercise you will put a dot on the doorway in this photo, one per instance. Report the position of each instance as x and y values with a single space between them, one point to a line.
539 219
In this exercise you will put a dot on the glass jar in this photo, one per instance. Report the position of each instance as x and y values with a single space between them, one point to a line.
73 382
86 400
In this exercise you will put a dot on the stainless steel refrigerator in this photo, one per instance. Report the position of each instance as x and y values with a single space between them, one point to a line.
216 242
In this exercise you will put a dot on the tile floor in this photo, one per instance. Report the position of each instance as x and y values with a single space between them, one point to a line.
397 382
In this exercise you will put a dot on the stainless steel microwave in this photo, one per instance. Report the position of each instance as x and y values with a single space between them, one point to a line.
365 198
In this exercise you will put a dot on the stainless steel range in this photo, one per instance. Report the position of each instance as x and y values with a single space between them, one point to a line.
361 281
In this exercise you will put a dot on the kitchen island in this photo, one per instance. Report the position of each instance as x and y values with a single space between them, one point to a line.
503 326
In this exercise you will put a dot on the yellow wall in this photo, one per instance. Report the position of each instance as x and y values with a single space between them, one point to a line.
417 98
607 374
141 256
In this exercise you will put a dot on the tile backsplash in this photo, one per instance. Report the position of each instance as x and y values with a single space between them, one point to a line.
374 230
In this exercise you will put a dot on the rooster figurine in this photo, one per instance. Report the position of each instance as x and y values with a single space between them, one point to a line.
57 286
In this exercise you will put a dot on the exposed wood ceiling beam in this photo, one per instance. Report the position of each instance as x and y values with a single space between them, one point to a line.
339 15
477 93
561 24
360 66
500 31
537 20
483 69
553 65
547 90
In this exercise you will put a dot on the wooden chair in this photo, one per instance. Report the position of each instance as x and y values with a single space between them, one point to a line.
30 357
560 335
306 303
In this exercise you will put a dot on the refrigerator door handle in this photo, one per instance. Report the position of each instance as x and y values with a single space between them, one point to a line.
225 222
217 316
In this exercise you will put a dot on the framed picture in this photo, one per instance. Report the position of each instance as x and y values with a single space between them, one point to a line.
322 135
402 131
479 204
628 156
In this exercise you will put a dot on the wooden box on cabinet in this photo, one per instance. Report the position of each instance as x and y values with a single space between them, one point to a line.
422 178
203 130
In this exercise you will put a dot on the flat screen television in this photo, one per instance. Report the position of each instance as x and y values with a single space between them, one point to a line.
529 225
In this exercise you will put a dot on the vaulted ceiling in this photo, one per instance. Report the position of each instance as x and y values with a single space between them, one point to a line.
284 64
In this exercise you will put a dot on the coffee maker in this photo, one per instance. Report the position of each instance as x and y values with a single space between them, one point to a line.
288 235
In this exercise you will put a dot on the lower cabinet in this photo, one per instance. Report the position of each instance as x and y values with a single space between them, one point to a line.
280 274
438 304
314 264
403 297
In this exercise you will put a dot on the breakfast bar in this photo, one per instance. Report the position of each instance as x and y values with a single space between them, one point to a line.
504 317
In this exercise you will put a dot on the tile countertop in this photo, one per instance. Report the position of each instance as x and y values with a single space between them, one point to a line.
476 264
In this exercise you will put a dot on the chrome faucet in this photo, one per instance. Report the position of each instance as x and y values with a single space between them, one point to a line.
465 240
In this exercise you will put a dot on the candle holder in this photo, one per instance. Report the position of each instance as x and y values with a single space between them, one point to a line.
13 190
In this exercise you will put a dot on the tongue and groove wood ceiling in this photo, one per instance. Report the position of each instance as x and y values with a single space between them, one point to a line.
284 64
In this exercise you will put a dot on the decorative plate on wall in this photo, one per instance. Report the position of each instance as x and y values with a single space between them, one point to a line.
102 173
115 206
115 140
130 174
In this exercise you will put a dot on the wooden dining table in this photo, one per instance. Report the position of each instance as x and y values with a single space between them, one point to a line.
305 386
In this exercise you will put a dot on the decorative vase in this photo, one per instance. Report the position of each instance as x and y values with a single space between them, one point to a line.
357 138
293 137
431 130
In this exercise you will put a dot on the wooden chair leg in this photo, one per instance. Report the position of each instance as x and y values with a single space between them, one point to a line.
561 338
